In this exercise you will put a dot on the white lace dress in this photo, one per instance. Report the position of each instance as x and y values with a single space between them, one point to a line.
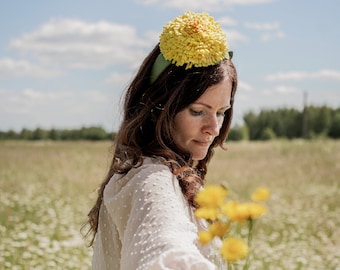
146 223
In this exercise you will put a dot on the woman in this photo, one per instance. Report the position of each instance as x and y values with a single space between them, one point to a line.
177 109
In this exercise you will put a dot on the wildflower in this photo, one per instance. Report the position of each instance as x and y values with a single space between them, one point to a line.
208 213
193 39
260 195
240 212
234 249
235 211
204 237
256 210
219 228
226 218
211 196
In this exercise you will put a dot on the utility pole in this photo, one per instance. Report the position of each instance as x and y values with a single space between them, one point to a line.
305 116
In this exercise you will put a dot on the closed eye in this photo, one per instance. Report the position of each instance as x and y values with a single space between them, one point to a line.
220 114
195 113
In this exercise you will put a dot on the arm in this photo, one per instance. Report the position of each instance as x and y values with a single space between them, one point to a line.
155 229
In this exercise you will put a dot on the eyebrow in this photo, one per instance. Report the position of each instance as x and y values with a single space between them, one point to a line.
209 107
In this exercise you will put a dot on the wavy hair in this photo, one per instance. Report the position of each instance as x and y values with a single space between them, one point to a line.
147 127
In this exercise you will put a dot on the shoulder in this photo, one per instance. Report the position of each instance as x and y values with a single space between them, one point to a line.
151 168
152 174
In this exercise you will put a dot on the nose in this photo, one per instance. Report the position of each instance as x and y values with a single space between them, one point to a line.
212 126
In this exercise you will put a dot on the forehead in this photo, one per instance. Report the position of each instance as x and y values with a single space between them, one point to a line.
218 95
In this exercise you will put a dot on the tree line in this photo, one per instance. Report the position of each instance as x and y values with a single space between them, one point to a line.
284 123
288 123
95 133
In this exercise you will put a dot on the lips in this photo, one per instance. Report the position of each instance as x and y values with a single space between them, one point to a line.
203 143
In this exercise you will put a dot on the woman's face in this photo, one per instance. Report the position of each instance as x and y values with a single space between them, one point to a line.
197 125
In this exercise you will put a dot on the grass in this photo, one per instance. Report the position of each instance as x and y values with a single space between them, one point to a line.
47 189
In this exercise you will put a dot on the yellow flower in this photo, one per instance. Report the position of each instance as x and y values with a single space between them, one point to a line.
211 196
260 195
235 211
194 39
234 249
219 228
204 237
208 213
256 210
240 212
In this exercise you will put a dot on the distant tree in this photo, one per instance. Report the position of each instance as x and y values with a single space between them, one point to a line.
26 134
251 121
319 120
287 123
71 134
334 129
323 120
238 133
111 136
54 134
291 123
2 135
39 134
267 134
11 135
93 133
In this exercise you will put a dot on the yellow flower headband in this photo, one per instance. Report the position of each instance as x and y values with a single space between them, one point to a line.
192 39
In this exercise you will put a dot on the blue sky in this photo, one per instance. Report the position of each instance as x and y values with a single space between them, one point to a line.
65 64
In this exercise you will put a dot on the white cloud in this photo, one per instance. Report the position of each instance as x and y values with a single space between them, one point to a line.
272 97
270 30
28 100
31 108
283 89
227 21
234 36
120 80
208 5
79 44
244 86
270 36
263 26
304 75
10 68
248 2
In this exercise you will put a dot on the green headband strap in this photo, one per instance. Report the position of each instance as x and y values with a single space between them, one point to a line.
161 64
158 67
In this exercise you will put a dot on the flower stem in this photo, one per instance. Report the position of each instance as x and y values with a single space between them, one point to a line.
250 238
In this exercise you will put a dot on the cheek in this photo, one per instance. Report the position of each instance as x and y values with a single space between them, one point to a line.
182 127
180 131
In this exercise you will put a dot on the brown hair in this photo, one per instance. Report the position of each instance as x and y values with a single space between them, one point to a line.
147 126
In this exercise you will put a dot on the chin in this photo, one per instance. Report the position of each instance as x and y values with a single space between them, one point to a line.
199 157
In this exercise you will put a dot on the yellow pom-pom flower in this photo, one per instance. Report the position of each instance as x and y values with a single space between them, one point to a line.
235 211
234 249
260 195
241 212
211 196
219 228
208 213
204 237
256 210
226 218
193 39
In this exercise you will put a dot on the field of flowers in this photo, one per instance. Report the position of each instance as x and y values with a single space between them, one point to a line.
47 189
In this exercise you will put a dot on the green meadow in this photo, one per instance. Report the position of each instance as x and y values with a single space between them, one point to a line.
47 189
